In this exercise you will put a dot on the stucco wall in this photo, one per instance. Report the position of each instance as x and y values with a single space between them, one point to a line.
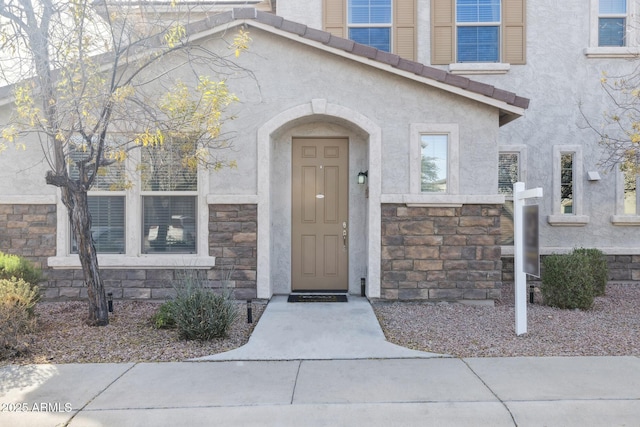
560 80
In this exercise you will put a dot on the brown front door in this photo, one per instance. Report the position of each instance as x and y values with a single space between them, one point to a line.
319 246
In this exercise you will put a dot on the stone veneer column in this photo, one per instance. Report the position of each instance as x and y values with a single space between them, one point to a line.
233 241
440 253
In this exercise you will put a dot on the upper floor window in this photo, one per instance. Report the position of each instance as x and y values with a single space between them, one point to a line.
612 17
370 23
478 30
612 33
485 31
388 25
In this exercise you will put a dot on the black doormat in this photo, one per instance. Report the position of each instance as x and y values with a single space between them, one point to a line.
317 298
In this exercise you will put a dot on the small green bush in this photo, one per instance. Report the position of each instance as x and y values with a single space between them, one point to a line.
15 266
199 312
567 281
163 318
17 302
599 269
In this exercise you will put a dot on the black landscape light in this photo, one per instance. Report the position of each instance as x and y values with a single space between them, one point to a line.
249 312
110 301
531 289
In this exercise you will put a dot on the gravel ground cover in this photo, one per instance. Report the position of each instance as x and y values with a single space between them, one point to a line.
610 328
62 337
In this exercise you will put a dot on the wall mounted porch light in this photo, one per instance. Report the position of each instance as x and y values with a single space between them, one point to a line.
362 177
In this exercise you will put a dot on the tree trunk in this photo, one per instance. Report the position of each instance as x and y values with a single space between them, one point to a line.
81 225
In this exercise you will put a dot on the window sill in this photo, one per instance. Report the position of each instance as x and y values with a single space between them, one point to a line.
568 220
479 68
116 261
630 220
442 200
612 52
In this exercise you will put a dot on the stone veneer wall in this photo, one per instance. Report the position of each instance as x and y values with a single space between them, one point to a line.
233 240
622 268
30 231
440 253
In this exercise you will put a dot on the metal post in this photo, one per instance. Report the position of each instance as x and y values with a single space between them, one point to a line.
520 285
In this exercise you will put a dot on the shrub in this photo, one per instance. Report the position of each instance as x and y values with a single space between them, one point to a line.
599 269
163 318
567 281
15 266
17 302
199 312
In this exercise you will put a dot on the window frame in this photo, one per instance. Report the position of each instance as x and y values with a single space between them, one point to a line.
476 24
632 45
576 217
512 49
370 25
521 151
134 256
620 217
453 157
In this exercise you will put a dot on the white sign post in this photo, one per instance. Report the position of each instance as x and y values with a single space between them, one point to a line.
519 197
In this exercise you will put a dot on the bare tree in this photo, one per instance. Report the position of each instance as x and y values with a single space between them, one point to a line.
99 84
619 130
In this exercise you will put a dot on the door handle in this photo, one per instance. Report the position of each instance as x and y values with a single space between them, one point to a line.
344 238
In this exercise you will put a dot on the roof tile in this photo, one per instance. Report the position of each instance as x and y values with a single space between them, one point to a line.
270 19
317 35
364 50
434 73
481 88
340 43
387 58
504 95
410 66
455 80
293 27
244 13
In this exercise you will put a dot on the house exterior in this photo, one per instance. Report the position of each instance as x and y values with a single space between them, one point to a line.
428 108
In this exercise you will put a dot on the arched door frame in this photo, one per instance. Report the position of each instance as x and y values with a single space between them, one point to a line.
319 107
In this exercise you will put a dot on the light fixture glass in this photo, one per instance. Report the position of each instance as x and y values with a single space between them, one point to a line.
362 177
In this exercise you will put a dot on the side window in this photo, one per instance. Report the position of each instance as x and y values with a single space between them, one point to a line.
434 160
630 193
567 187
612 22
435 157
627 201
478 30
508 174
566 183
369 23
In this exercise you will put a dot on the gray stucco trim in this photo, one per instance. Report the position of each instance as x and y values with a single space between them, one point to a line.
319 107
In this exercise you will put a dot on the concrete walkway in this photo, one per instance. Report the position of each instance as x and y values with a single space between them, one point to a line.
347 389
302 331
